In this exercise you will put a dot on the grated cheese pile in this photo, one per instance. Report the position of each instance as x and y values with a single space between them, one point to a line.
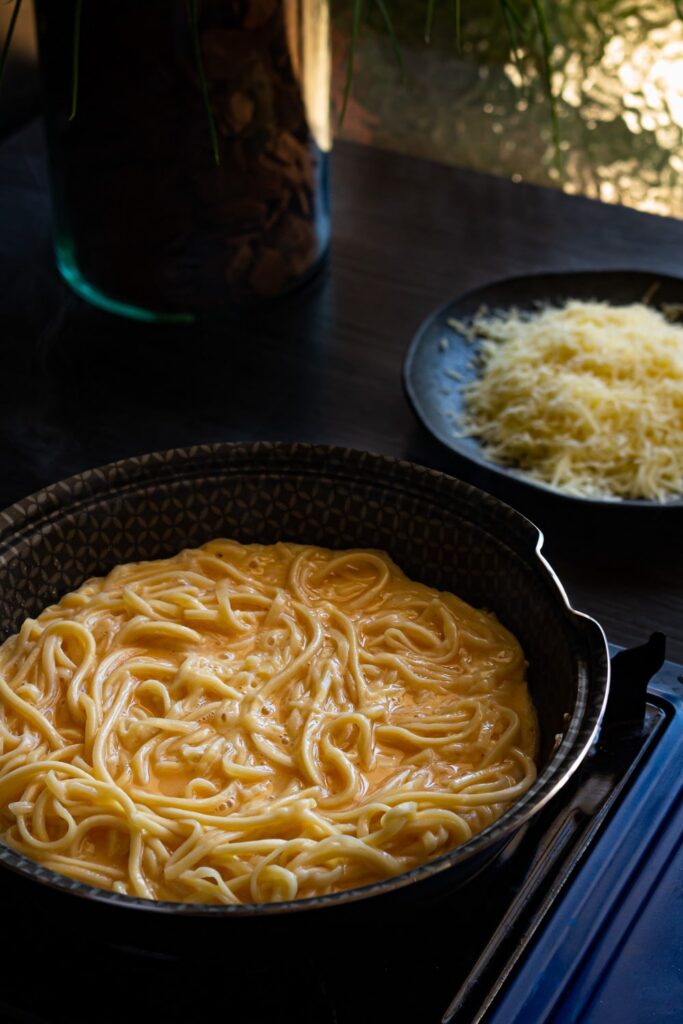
587 398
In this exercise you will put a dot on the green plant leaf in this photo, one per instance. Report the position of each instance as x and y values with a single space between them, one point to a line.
430 20
76 58
514 25
542 22
384 11
8 39
355 29
193 12
513 12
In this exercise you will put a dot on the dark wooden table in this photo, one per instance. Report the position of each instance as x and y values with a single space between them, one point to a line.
81 388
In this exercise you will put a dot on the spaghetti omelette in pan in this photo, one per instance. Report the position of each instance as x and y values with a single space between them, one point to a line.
302 715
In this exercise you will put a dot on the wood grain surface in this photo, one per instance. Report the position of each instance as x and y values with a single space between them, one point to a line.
82 388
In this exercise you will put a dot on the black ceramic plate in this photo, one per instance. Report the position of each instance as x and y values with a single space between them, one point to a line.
436 397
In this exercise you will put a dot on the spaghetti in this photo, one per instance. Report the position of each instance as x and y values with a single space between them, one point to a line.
248 723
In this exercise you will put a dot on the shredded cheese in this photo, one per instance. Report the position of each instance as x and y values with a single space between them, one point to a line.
587 398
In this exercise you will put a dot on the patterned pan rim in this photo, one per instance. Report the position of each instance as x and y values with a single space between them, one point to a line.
38 510
69 494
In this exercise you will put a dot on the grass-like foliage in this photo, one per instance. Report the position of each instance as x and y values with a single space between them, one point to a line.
528 27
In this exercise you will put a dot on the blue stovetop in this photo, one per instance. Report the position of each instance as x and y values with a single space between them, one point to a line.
612 950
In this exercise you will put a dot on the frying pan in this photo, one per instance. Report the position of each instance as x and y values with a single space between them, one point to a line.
439 530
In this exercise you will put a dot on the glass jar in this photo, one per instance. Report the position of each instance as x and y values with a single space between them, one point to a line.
188 144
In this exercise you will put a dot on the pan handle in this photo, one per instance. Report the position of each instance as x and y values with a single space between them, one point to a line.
632 670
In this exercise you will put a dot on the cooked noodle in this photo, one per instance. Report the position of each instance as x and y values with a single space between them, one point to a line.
247 723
